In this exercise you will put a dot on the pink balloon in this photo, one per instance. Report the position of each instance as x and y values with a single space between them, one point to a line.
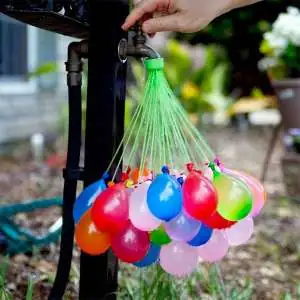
240 233
216 247
178 258
256 188
139 213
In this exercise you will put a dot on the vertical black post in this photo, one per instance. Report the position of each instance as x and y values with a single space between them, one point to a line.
104 127
72 172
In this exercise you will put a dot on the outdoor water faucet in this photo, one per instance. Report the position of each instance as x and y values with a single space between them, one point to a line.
138 48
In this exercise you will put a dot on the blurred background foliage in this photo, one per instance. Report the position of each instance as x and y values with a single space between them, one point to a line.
240 33
229 71
200 89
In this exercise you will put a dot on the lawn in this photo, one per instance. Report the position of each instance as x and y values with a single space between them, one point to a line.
266 268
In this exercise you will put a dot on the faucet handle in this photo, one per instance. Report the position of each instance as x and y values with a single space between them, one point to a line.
139 38
137 28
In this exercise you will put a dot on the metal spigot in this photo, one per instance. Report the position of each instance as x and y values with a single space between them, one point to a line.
138 48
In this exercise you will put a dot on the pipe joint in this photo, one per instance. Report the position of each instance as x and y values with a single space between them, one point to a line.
74 66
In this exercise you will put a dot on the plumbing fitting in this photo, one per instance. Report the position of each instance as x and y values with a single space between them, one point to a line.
138 48
74 65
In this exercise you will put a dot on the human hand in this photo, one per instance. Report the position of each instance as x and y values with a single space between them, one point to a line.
175 15
179 15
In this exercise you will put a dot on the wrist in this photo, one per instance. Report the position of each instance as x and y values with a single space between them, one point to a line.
241 3
233 4
227 6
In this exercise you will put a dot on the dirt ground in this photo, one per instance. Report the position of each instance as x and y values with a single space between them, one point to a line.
271 260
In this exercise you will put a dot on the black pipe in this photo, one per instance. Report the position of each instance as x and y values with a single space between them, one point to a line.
72 172
104 127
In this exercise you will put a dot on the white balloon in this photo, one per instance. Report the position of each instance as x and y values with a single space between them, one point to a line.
139 213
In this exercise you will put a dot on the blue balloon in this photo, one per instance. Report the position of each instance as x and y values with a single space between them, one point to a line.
86 198
164 197
202 237
150 258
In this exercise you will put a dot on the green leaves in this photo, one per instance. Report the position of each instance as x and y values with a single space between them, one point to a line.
291 58
201 89
44 69
178 63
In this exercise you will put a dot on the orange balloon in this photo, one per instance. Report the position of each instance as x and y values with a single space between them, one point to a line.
135 174
88 238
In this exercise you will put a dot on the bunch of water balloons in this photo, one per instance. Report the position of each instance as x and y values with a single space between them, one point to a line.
178 205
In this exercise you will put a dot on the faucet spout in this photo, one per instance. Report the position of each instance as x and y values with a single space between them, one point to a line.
138 48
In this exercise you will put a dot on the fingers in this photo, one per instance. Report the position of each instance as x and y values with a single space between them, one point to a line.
143 7
159 24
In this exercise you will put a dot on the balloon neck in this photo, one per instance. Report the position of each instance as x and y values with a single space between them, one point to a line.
218 162
105 176
110 184
165 170
215 170
129 183
180 180
128 170
124 177
190 167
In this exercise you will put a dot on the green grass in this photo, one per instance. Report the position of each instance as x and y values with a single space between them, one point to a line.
155 284
5 294
29 293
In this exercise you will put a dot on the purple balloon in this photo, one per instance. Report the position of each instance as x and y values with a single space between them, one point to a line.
178 258
216 248
240 233
182 227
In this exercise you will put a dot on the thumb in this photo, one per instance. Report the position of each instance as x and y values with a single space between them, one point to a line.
166 23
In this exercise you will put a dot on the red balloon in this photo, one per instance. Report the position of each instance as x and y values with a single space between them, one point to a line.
131 244
110 210
199 196
216 221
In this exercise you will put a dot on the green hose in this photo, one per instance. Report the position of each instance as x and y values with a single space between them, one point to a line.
19 239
